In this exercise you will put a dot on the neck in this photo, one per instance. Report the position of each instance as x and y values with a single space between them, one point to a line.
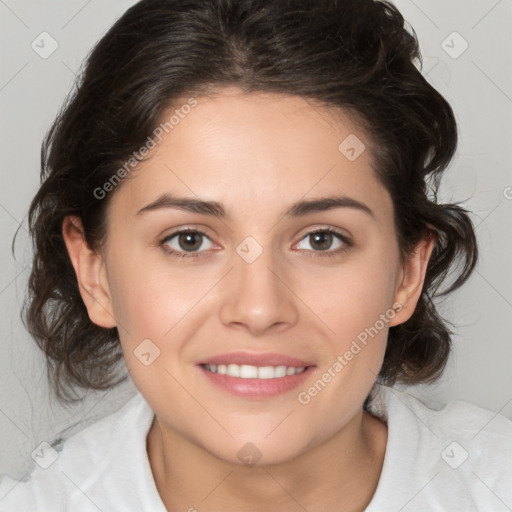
344 469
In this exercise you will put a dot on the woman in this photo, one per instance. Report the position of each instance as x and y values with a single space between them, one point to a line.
239 201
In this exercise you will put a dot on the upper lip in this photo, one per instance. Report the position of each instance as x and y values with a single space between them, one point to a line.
255 359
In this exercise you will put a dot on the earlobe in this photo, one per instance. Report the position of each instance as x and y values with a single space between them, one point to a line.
410 286
90 272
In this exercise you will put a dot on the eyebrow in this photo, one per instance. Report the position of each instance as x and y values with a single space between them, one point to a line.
215 209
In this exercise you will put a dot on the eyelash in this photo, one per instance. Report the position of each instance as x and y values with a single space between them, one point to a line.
314 254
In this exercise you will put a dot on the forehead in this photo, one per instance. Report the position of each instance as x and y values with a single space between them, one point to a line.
255 150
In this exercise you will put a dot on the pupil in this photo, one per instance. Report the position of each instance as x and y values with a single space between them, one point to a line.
325 237
187 238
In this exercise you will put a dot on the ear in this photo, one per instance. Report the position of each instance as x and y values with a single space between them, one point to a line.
411 279
90 272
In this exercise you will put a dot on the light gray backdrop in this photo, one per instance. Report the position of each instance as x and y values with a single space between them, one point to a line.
467 56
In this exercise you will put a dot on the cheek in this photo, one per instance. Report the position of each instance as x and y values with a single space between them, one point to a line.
356 305
138 304
352 296
149 298
157 308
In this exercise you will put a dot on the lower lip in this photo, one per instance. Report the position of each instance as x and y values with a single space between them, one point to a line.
257 388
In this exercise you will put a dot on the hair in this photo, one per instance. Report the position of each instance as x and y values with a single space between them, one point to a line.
352 57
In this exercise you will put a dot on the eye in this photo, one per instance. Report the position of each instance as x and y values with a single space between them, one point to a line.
185 243
321 242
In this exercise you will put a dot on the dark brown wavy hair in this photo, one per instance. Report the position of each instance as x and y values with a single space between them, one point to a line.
356 57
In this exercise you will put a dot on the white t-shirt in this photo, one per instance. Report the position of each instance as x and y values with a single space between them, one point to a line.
455 459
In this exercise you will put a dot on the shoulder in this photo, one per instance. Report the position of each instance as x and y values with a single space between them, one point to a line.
85 471
457 456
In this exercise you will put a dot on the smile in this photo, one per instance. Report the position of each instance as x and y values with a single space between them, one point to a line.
245 371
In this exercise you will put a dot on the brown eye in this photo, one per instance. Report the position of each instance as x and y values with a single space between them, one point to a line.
190 241
185 241
321 242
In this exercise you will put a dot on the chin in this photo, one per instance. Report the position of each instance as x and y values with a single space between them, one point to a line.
255 453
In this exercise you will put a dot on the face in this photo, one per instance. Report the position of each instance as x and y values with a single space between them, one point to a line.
267 284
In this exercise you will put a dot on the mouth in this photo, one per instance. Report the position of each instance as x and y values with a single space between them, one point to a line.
245 371
255 375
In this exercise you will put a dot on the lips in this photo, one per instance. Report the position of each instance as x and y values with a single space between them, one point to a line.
255 376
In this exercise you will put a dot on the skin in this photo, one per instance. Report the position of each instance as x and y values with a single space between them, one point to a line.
256 154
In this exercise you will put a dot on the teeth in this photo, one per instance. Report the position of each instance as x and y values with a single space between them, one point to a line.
266 372
248 372
245 371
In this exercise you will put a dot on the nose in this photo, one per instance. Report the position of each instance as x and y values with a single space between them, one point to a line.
257 297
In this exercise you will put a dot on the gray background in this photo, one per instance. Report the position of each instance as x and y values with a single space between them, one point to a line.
477 83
